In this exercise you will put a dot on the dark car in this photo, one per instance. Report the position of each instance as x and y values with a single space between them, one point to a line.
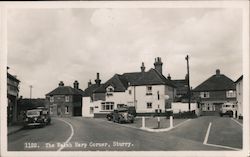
121 115
110 116
37 117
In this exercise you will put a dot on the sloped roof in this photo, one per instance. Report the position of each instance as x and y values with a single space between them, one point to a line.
65 90
89 90
12 77
216 83
239 79
152 77
121 82
181 86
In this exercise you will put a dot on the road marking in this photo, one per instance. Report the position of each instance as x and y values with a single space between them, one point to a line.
71 135
207 134
220 146
236 121
175 126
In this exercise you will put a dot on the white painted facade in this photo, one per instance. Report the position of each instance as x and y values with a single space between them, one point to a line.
181 107
144 100
239 97
87 107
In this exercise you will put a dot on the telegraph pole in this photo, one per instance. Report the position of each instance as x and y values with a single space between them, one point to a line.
189 96
30 93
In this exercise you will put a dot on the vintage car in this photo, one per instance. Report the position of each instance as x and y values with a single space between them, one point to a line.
121 115
228 109
37 117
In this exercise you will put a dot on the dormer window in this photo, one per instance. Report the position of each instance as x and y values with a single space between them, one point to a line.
231 94
110 90
204 94
148 90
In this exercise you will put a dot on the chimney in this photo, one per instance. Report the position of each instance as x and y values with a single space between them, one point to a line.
61 84
76 84
158 64
98 81
89 83
143 67
169 77
217 72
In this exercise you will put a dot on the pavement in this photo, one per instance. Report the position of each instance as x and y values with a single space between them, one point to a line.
90 134
14 128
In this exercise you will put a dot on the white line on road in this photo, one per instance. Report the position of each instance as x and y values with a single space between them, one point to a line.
71 135
220 146
175 126
207 134
236 122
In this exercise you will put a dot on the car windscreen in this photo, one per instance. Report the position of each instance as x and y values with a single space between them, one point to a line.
33 113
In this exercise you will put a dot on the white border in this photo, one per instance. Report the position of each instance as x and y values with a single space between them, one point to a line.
125 4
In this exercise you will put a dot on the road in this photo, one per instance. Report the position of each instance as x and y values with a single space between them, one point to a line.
87 134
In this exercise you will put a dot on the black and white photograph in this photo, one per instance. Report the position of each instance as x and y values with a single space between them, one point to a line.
115 78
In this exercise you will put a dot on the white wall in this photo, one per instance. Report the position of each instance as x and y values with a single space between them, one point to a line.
142 99
86 104
239 97
180 107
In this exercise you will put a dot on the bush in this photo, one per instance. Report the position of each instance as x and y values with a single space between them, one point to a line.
185 114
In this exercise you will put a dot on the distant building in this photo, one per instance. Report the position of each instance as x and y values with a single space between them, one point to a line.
181 90
148 91
215 91
239 96
65 101
12 95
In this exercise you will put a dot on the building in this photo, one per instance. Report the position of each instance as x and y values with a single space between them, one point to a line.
65 101
88 98
181 89
215 91
148 91
12 95
239 96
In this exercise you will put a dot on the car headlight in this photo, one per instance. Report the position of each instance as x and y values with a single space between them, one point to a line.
35 118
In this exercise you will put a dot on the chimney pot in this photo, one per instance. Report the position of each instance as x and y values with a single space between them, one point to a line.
158 64
169 77
76 84
143 67
217 72
89 83
98 81
61 84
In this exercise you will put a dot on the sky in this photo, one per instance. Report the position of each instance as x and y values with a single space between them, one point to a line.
46 46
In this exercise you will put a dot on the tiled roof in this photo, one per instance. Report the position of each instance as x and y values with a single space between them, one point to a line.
121 82
89 90
181 86
152 77
216 83
12 77
239 79
65 90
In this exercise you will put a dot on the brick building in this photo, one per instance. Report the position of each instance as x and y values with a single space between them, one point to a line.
215 91
65 101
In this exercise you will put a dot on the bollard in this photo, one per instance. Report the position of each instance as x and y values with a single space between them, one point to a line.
171 121
143 122
158 122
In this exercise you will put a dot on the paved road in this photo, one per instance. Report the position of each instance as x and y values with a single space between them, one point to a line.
98 134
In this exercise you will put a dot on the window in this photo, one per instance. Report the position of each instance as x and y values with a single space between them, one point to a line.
109 91
231 94
129 92
149 105
51 99
66 98
149 90
66 109
158 95
107 106
204 94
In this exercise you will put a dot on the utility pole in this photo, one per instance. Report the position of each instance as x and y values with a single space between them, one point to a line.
189 93
30 93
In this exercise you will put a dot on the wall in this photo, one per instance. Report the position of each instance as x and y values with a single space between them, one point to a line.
86 101
181 107
142 99
57 108
239 97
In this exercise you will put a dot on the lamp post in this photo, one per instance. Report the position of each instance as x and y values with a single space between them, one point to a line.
189 99
30 93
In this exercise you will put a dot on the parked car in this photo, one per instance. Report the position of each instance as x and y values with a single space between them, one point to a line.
37 117
228 109
110 116
121 115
